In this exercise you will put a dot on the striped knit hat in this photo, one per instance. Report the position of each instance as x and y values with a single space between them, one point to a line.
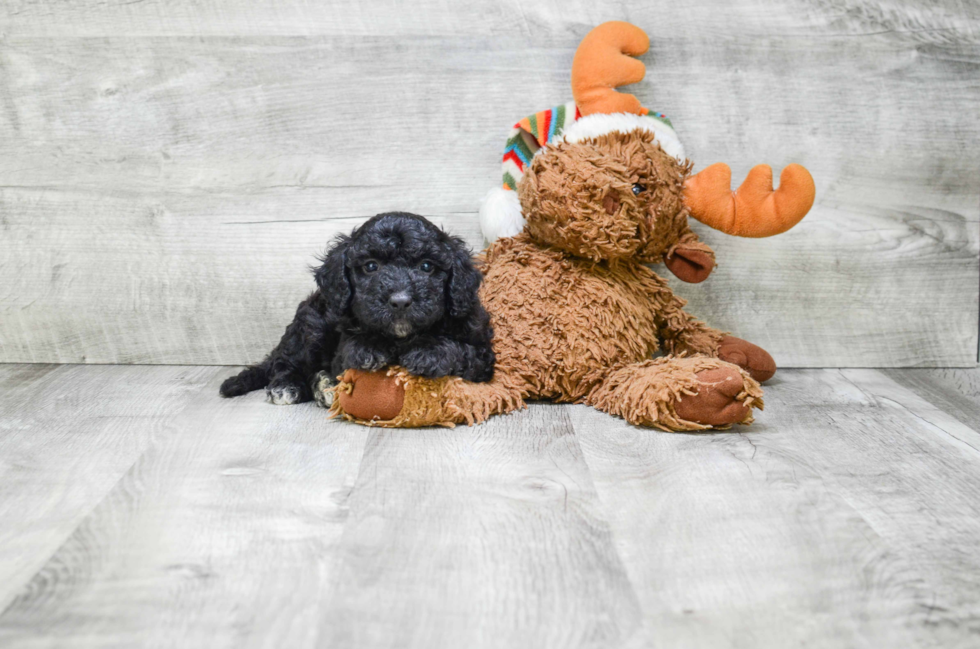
500 210
530 135
602 62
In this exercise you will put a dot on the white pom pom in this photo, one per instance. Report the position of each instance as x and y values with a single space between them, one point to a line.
500 214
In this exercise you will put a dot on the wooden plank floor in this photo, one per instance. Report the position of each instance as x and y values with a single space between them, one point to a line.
139 509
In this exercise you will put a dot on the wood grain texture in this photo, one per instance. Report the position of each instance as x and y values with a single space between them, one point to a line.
841 518
138 509
490 536
221 530
216 147
953 391
67 436
246 527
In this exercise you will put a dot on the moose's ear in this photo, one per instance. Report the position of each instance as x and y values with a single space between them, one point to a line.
691 261
333 279
464 280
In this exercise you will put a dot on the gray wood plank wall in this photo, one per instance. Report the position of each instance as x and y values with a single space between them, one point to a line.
168 169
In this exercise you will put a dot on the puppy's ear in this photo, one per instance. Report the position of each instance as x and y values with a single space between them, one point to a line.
333 279
464 280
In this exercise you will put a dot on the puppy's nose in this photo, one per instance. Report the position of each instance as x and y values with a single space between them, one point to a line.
401 300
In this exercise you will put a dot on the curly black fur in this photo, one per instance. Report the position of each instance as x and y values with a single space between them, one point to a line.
397 291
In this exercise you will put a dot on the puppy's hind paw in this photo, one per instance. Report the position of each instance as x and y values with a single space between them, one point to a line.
321 385
283 394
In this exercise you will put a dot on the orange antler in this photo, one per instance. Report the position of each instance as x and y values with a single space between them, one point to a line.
601 64
754 210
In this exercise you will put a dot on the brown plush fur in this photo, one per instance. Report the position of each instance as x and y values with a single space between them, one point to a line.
574 319
567 190
576 313
444 401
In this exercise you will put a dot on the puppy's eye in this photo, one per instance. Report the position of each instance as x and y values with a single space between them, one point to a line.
370 266
637 188
427 267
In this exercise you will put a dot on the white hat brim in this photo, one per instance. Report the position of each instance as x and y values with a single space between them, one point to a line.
598 124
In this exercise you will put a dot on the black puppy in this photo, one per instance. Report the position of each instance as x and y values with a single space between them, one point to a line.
397 291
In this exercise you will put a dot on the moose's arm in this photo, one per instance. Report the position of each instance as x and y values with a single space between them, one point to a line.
680 332
689 259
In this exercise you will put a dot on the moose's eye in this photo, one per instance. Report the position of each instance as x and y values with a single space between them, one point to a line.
427 267
637 188
370 266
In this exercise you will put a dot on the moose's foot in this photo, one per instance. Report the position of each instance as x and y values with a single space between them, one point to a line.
680 394
751 358
716 401
393 398
370 396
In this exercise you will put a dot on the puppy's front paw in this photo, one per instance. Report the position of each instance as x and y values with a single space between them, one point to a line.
321 385
428 363
367 359
283 394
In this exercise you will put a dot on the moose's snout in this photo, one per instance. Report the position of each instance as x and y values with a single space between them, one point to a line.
400 300
611 204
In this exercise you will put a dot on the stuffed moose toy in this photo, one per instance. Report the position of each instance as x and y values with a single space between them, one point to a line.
593 191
